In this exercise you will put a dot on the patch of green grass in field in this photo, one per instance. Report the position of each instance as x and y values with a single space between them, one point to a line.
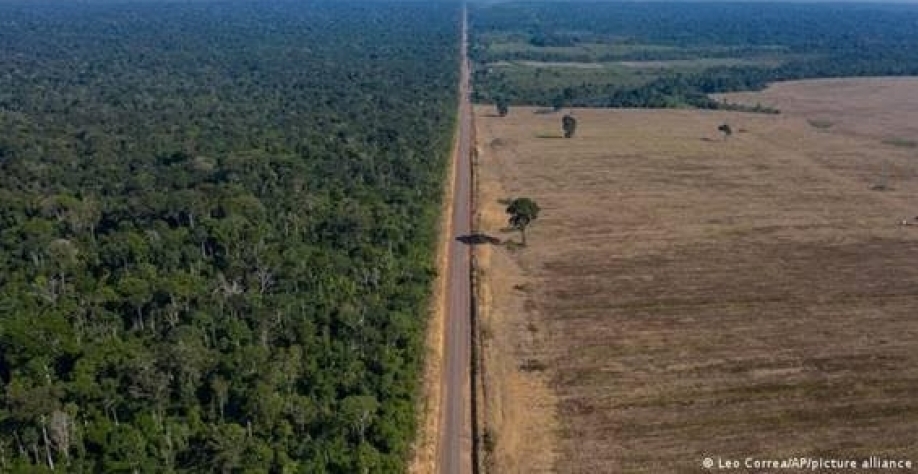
529 78
697 64
901 142
820 124
598 68
549 135
516 46
524 75
593 51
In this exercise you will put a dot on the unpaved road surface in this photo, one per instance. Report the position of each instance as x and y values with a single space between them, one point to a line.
454 438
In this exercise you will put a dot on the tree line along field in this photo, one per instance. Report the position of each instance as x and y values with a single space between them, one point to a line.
216 227
674 55
685 296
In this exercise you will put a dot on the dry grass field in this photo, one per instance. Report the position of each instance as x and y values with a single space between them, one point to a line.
685 296
882 108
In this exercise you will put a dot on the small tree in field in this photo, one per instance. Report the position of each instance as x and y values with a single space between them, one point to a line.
503 107
726 130
522 212
569 125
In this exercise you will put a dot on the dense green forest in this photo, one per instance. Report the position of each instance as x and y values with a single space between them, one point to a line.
790 41
216 232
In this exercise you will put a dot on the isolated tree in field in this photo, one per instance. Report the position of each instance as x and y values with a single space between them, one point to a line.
522 212
503 107
569 125
726 130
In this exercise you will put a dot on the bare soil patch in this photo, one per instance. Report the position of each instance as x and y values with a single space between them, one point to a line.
685 296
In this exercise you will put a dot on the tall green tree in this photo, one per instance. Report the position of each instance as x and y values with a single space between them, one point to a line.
522 211
568 125
502 105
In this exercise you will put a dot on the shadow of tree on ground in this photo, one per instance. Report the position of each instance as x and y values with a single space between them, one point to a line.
478 239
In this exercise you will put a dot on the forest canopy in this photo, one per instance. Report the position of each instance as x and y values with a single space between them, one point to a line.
216 228
673 54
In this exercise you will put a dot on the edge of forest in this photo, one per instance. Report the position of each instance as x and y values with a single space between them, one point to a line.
429 402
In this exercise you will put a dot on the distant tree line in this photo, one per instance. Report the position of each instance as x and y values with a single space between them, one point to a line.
815 41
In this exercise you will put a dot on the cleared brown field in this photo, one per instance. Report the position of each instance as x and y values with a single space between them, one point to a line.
683 296
882 107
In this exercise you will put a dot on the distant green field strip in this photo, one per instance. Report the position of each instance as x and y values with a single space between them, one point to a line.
672 64
525 76
701 63
519 49
589 48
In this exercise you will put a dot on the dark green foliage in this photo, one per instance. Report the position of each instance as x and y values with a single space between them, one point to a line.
568 125
216 228
557 103
542 40
802 40
502 106
522 212
533 365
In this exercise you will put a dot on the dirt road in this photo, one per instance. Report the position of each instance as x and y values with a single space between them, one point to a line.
455 432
